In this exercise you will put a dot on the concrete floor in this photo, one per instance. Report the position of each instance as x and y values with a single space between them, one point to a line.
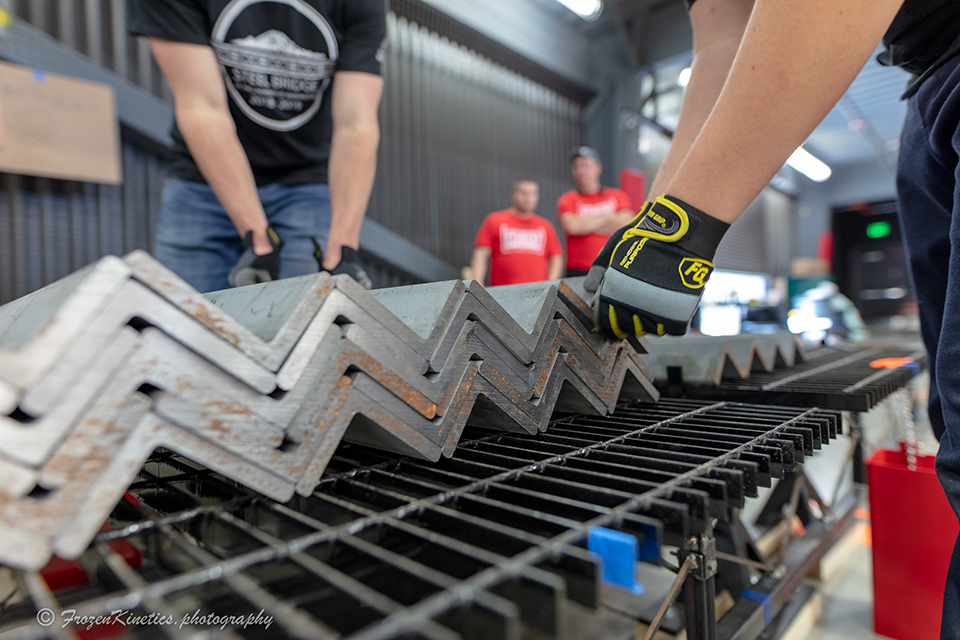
848 602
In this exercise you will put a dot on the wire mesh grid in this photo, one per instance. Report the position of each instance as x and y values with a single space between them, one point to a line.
832 378
486 544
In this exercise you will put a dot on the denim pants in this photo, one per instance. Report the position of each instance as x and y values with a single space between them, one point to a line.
198 242
928 188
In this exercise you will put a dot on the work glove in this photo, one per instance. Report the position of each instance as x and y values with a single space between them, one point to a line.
651 272
254 269
349 265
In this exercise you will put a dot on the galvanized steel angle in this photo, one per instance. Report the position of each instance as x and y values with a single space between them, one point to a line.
531 305
152 432
427 309
276 313
47 321
511 333
169 287
33 443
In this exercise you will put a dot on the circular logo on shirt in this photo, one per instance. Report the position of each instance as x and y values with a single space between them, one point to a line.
278 58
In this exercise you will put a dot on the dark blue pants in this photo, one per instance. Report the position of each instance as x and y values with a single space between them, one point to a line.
928 186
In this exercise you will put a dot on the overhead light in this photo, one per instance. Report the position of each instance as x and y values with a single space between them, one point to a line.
810 166
684 78
586 9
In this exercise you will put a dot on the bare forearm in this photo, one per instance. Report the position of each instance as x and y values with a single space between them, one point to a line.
353 166
555 267
582 225
795 61
718 27
212 140
617 220
478 263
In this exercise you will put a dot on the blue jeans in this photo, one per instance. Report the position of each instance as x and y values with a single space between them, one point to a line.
928 187
197 240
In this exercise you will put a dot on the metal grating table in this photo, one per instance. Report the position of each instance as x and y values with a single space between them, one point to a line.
486 544
830 378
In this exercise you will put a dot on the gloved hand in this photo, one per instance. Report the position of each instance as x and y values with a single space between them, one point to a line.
349 265
652 271
253 269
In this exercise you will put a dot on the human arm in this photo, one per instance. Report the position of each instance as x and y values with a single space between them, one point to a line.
605 223
203 117
480 262
353 157
555 267
794 63
718 27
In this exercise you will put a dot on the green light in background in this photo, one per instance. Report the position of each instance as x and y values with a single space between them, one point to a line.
878 229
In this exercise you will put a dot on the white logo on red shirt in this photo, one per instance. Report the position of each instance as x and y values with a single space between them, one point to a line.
597 208
523 240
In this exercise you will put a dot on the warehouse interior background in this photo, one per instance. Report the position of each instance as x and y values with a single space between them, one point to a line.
476 94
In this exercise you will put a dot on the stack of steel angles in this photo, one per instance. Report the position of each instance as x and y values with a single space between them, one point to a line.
708 360
261 383
830 378
487 544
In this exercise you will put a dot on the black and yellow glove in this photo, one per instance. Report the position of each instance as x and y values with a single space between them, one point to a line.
254 269
653 270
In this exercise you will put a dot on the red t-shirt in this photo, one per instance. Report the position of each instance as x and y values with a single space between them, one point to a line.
519 247
583 250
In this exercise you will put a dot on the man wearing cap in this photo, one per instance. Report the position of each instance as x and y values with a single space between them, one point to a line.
591 212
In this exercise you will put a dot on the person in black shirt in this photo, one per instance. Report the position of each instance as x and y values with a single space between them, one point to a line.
765 73
276 133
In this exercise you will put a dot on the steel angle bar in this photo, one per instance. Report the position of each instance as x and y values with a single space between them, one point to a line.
698 360
276 313
137 302
197 383
834 379
427 309
386 544
39 327
352 304
9 398
747 351
32 442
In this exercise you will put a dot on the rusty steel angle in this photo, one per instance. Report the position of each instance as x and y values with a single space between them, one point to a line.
137 301
32 443
41 326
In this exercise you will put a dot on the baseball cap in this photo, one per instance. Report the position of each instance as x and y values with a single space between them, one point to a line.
584 152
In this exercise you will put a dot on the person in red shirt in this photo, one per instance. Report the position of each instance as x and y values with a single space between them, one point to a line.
591 212
516 244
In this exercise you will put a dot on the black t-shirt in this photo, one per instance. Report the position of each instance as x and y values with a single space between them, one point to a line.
924 35
278 58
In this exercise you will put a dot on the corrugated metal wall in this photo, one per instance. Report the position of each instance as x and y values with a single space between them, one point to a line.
457 129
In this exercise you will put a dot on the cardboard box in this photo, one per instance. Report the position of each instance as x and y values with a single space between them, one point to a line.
809 268
58 127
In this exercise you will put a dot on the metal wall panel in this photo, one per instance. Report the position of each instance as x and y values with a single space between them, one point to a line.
49 228
457 129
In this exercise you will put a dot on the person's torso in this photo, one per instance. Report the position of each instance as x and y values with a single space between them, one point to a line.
518 251
582 249
277 60
922 33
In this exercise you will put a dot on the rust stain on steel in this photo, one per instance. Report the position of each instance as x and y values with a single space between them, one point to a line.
182 384
213 321
227 408
236 430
